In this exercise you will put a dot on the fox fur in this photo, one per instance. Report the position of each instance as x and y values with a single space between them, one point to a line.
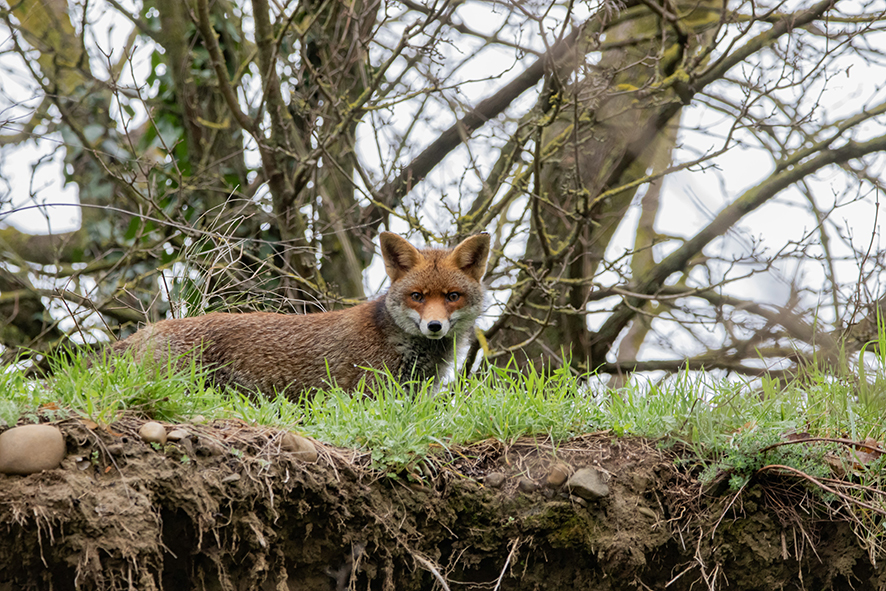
413 330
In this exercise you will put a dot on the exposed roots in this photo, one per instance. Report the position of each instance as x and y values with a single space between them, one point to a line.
228 509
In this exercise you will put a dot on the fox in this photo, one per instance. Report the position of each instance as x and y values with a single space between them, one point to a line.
413 330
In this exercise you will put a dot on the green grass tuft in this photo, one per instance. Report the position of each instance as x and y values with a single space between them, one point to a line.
101 388
400 424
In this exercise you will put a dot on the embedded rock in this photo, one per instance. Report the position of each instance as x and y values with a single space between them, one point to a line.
209 447
526 485
300 446
31 448
494 479
588 483
153 432
558 475
177 435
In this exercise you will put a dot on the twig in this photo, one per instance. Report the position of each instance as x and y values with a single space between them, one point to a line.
514 545
722 515
430 566
683 572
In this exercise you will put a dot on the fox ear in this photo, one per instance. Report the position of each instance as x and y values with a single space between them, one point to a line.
399 256
470 256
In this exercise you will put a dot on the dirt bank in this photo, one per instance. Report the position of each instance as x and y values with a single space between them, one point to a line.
226 509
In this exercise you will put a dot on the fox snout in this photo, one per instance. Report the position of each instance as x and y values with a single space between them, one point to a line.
431 315
435 329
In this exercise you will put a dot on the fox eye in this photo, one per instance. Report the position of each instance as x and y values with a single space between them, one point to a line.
417 296
453 296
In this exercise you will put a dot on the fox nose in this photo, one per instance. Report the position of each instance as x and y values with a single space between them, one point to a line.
435 326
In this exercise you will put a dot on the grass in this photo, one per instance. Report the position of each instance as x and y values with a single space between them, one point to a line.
733 430
400 427
100 389
723 420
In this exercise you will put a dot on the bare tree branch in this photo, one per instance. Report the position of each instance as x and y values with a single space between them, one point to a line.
748 202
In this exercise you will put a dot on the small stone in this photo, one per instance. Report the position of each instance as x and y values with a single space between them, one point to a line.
558 475
197 419
115 449
300 446
31 448
588 484
527 485
153 432
177 435
209 447
494 479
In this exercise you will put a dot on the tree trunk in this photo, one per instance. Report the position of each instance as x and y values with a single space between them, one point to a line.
607 135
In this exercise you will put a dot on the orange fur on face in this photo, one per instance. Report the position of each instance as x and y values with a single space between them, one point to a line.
413 330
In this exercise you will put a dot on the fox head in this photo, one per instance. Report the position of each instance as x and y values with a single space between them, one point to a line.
435 292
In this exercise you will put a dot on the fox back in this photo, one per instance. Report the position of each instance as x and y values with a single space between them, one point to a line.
413 330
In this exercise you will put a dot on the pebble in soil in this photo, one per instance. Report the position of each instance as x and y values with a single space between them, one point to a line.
31 448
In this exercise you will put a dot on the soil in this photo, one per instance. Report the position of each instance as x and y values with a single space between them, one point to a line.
227 509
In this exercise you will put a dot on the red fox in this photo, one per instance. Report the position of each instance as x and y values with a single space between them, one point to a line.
413 330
